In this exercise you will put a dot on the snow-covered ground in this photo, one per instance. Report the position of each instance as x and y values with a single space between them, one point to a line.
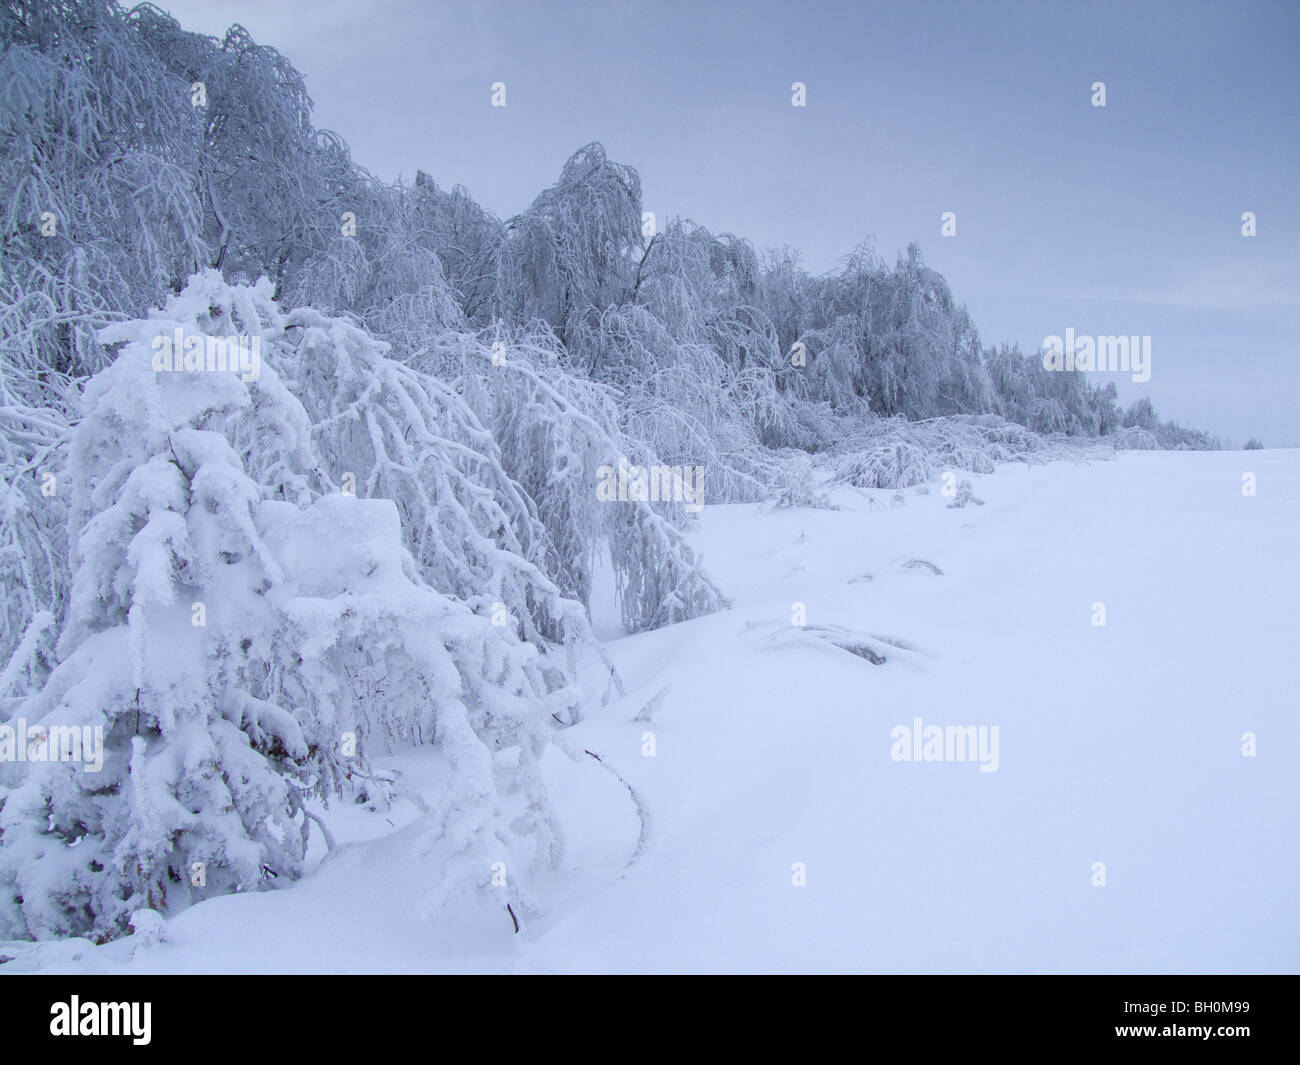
1120 744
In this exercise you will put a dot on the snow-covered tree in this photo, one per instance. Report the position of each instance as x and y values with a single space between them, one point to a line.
225 599
556 431
569 253
468 242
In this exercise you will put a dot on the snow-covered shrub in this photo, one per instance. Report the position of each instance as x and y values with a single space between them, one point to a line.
898 465
965 496
556 431
404 435
1174 437
681 401
896 453
96 164
802 487
225 597
387 273
33 541
1133 438
553 430
661 582
196 767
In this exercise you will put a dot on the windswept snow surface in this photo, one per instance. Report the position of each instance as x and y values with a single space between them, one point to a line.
1119 744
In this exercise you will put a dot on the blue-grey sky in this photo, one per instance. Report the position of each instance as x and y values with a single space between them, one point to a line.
1117 220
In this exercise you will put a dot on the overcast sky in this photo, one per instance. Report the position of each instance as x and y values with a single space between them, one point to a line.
1117 220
